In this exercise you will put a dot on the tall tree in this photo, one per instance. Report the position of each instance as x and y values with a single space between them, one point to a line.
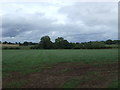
25 43
5 42
109 41
60 43
45 42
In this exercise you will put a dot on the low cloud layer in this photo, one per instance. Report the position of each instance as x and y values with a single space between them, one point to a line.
76 22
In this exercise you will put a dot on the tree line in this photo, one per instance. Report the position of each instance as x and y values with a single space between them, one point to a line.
61 43
19 43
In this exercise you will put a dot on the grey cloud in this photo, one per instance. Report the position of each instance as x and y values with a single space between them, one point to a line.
84 22
92 13
96 17
13 26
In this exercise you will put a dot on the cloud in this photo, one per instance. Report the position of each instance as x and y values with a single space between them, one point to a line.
94 17
76 22
14 25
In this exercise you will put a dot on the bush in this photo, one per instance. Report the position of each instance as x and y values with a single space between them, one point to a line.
35 47
5 48
10 48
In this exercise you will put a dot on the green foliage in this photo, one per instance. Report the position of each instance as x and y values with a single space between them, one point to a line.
60 43
45 43
90 45
22 60
28 61
110 42
115 84
112 46
10 48
94 45
71 83
16 84
26 43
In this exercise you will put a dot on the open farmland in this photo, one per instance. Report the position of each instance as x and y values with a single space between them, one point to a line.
8 45
60 68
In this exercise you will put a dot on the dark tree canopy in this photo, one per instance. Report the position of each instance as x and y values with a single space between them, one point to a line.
109 41
45 42
60 43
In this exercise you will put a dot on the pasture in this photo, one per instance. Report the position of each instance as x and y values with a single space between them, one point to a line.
60 68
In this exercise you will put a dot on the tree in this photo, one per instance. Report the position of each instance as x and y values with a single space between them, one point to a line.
19 43
25 43
5 42
116 41
60 43
109 42
78 46
16 43
65 44
45 42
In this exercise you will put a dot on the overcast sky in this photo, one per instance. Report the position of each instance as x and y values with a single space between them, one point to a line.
75 21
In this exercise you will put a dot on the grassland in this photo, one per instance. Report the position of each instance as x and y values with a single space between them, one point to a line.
9 46
60 68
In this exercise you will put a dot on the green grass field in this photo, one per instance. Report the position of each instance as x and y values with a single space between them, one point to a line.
25 62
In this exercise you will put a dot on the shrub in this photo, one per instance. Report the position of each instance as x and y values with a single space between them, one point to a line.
10 48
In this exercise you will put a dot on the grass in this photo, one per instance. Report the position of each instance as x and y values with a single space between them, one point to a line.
88 79
71 83
29 61
23 60
16 84
74 82
115 84
26 47
21 47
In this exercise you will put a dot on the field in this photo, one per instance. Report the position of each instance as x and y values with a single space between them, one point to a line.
8 45
60 68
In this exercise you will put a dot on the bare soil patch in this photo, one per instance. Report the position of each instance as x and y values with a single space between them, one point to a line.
89 75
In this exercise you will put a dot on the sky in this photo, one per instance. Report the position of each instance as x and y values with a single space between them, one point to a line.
74 21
